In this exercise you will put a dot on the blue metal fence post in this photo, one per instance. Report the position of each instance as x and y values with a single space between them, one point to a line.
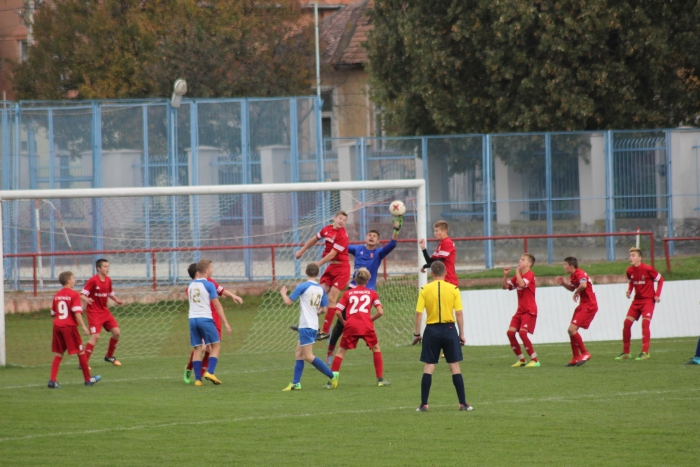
669 189
173 156
146 182
194 177
487 164
52 176
32 156
17 144
245 171
97 212
6 185
548 194
609 196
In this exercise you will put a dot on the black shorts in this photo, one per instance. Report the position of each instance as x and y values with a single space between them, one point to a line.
441 338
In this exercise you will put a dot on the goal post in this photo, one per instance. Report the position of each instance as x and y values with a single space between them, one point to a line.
150 234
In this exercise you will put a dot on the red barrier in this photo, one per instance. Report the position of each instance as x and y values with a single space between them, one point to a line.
272 247
666 249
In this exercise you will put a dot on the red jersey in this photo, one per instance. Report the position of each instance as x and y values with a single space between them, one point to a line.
588 295
642 279
526 295
99 292
219 291
447 252
336 239
358 302
66 303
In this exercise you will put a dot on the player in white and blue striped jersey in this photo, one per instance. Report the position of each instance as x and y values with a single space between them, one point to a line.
202 296
312 301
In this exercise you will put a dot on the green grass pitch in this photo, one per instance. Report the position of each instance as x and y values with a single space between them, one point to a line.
604 413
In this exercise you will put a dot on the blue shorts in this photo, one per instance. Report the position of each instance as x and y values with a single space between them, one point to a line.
203 329
307 336
441 338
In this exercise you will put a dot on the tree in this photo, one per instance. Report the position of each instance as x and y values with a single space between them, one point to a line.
91 49
477 66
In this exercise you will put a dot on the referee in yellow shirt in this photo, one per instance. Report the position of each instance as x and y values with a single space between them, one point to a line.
438 299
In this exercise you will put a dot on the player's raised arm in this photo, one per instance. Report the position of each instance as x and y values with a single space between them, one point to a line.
287 301
309 243
233 297
504 282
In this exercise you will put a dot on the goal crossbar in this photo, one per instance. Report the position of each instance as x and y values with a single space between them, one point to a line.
6 195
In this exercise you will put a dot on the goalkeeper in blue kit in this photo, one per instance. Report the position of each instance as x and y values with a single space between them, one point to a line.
369 256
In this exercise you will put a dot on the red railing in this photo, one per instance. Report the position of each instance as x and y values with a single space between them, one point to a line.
272 247
666 249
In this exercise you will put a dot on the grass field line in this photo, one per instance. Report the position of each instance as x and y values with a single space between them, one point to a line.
593 398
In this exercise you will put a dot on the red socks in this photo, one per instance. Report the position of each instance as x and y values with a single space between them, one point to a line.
328 320
112 347
646 335
205 362
84 366
189 365
576 338
337 361
88 350
514 345
528 345
54 367
331 348
378 364
627 336
574 348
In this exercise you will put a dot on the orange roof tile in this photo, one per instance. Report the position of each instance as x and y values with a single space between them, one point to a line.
343 35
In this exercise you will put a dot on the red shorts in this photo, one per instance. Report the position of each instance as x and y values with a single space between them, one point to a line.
352 334
66 339
641 308
584 314
336 275
525 321
101 320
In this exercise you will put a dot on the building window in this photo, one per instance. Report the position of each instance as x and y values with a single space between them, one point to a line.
23 50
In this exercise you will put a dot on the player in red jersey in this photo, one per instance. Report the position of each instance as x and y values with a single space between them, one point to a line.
357 304
337 274
96 293
525 318
582 286
445 252
641 278
221 292
68 313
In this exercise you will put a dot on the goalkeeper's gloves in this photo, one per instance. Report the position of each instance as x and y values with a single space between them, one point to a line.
397 221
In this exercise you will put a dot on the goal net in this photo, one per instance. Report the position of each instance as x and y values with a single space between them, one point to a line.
151 235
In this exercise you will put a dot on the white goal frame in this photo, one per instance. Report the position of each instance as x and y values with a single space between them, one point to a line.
128 192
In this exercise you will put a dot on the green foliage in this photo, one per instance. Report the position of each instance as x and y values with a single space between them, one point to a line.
129 49
477 66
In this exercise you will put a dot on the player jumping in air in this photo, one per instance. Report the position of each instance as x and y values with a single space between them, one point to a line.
369 256
445 252
525 318
312 302
68 312
203 297
221 292
641 278
582 286
357 304
337 274
96 293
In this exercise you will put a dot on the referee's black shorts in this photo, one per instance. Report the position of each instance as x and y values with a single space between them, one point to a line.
439 338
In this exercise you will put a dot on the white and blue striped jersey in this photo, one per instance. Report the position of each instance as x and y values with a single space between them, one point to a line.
200 293
312 298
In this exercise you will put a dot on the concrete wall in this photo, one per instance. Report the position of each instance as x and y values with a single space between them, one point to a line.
488 313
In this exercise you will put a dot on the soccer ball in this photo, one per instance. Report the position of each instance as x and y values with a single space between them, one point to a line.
397 208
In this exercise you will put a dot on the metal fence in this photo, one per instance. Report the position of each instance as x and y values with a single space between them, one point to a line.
483 185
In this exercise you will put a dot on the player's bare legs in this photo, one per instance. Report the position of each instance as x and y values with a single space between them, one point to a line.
333 294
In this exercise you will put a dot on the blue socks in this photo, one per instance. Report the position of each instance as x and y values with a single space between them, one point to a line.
197 367
697 350
425 388
298 370
322 367
458 381
212 364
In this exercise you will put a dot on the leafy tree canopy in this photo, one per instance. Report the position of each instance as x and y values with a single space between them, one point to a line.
108 49
477 66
